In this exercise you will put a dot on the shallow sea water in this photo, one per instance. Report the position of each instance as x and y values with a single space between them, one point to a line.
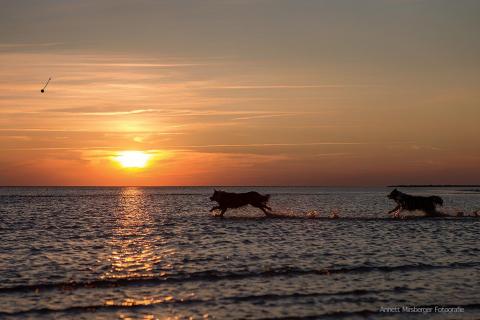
157 253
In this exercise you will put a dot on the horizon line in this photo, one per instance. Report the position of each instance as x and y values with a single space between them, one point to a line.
241 186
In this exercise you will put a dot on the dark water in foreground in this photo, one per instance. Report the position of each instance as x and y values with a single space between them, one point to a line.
156 253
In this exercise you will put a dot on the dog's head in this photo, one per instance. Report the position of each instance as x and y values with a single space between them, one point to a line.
394 194
216 195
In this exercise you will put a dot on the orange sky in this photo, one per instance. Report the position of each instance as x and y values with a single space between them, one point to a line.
254 92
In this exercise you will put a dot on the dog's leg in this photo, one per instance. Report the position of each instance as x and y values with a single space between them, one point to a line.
394 209
265 211
214 208
397 213
223 212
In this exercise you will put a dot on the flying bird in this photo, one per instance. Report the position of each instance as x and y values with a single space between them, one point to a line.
46 84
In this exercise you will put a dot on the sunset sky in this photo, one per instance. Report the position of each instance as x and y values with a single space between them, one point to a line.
240 92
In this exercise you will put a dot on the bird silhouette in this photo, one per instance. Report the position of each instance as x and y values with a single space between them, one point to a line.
46 84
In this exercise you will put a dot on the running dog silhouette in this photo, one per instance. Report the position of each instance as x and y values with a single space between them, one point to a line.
411 203
230 200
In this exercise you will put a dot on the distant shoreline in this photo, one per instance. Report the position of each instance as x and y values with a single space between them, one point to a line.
435 186
247 186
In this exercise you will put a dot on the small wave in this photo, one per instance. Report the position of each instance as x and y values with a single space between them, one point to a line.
316 216
357 292
332 315
106 306
214 275
367 313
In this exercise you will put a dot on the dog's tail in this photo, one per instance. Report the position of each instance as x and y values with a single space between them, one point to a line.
437 200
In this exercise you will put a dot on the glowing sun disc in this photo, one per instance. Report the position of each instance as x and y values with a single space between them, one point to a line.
132 159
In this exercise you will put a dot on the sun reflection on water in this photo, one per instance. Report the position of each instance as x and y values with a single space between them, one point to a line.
137 248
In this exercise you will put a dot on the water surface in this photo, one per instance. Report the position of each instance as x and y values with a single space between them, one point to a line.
144 253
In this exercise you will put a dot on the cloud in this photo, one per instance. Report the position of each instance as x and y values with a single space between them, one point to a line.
133 65
333 154
9 130
28 45
186 147
301 144
268 115
169 112
425 147
288 86
100 113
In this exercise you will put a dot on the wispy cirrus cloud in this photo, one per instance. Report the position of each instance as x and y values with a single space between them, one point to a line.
131 65
291 86
47 130
29 45
333 154
300 144
99 112
171 112
203 146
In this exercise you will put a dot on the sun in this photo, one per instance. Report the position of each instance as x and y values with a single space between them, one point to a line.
132 159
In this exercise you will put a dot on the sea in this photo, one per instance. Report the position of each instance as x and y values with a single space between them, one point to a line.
158 253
